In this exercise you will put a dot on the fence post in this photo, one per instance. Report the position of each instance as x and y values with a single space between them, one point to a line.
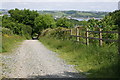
70 31
87 35
77 34
100 36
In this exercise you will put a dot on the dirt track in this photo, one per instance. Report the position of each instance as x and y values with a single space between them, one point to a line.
32 60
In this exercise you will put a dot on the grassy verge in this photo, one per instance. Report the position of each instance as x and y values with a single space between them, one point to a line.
93 61
9 42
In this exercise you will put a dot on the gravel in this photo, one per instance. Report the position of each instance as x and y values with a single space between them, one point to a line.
33 60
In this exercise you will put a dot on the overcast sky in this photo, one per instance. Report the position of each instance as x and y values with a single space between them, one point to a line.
81 5
59 0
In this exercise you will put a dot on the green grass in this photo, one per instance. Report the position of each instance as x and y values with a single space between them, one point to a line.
98 62
9 42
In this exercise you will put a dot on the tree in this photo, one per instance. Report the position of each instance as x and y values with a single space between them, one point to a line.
25 16
44 21
15 27
64 22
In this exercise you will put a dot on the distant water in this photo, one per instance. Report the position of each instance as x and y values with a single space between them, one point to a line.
85 19
80 6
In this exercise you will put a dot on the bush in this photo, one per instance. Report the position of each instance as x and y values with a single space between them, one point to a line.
6 31
57 33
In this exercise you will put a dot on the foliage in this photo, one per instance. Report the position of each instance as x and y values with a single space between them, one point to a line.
26 31
58 33
0 21
43 22
116 17
7 31
25 16
15 27
64 22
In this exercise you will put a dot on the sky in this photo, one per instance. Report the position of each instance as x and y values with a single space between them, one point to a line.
59 0
80 5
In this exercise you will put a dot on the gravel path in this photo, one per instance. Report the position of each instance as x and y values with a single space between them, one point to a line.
32 60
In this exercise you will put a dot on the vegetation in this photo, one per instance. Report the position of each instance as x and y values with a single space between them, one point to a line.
93 60
16 27
75 14
43 22
22 24
9 40
0 40
26 21
64 22
100 62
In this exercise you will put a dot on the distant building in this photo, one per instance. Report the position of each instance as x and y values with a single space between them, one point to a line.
119 5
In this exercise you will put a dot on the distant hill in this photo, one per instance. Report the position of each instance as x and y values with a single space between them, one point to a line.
75 14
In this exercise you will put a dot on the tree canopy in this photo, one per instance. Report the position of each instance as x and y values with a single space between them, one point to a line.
64 22
43 22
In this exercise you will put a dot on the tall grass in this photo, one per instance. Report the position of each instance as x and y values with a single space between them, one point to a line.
92 60
0 34
9 40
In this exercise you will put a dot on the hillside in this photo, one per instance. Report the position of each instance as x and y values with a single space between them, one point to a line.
75 14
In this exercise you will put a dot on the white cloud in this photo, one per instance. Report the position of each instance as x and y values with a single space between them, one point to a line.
59 0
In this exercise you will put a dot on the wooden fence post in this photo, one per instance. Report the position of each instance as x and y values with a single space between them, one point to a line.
70 34
70 31
77 34
87 35
100 36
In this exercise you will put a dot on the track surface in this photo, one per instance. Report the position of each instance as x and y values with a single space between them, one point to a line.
33 60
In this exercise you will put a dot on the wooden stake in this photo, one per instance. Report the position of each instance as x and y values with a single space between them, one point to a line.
100 36
70 31
77 34
87 35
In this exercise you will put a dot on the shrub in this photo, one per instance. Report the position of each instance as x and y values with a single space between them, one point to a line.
7 31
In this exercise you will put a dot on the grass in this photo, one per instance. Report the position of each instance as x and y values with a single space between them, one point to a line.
9 42
0 43
93 61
